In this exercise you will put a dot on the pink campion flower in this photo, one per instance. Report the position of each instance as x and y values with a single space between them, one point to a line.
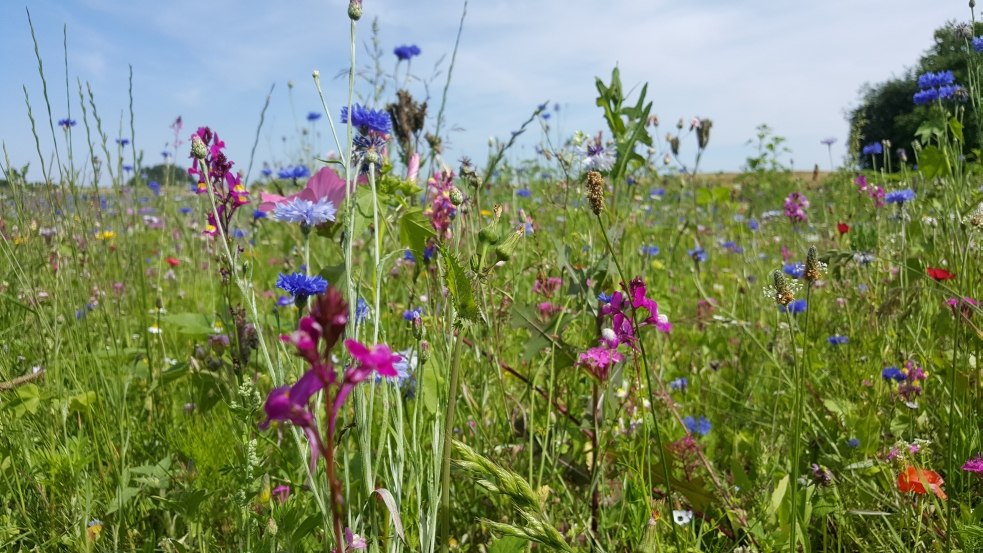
599 360
326 184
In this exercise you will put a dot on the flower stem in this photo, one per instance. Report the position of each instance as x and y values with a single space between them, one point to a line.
445 462
796 429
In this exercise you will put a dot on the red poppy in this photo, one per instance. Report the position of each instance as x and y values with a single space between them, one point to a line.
173 261
843 228
940 274
913 479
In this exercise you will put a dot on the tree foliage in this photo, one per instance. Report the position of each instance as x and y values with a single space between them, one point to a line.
886 110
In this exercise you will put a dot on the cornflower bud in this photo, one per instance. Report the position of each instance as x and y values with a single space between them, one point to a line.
595 192
455 196
355 10
198 148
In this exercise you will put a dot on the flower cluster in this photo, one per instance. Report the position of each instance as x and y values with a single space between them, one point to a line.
441 210
213 170
314 338
622 322
937 87
876 193
795 206
909 379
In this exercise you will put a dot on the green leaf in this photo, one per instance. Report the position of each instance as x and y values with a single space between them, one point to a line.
192 324
26 400
508 544
415 230
82 403
460 287
778 496
957 129
932 162
429 385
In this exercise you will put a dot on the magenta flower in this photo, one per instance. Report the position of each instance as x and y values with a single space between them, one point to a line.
289 403
378 358
621 321
281 493
441 211
599 360
795 206
974 465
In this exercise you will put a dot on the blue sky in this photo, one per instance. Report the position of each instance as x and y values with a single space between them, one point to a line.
796 66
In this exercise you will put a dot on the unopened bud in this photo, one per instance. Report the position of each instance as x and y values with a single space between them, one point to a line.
783 292
316 74
355 10
455 195
198 148
489 235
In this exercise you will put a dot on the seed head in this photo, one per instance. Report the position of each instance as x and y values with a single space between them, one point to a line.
703 133
814 267
784 294
595 192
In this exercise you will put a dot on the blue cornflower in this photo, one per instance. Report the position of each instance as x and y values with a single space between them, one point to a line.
926 96
259 214
731 246
301 286
680 384
408 256
365 119
978 44
238 233
305 212
66 123
837 340
266 171
361 310
123 141
428 253
523 193
935 80
184 210
404 53
604 298
796 307
753 225
650 250
284 301
296 172
874 148
657 193
127 168
794 270
900 196
411 315
699 426
154 187
893 373
166 155
313 116
949 91
698 254
853 443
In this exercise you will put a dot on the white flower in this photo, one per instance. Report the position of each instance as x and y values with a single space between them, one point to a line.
682 518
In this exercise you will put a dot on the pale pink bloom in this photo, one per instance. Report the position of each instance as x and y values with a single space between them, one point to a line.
324 184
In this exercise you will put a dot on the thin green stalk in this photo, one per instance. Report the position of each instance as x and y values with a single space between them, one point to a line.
445 462
796 429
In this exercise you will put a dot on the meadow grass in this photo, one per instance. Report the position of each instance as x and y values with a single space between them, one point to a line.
594 352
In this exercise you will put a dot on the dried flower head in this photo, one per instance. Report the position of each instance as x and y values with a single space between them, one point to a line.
783 291
814 268
595 192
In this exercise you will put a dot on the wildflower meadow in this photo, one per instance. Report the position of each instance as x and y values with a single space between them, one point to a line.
592 345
